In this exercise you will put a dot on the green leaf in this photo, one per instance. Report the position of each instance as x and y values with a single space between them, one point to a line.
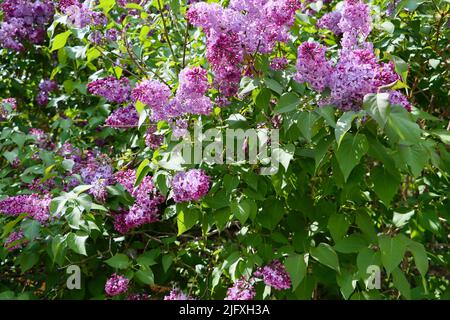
147 259
60 40
28 260
420 256
305 122
378 107
392 251
343 124
401 126
401 283
365 224
288 102
284 154
119 261
338 225
350 152
325 254
243 209
186 219
77 243
31 229
146 276
385 184
366 258
296 267
167 262
400 219
347 283
272 213
142 171
352 243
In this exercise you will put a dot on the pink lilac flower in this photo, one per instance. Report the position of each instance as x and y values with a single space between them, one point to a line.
241 290
112 89
80 15
15 241
42 187
153 140
24 21
98 172
355 23
313 66
45 87
116 284
275 275
6 106
177 294
146 202
330 21
397 98
190 185
386 74
36 206
123 118
179 128
244 28
155 95
279 63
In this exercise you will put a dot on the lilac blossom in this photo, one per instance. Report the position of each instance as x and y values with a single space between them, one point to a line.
190 185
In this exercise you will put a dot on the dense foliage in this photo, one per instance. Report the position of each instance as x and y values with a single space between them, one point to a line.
95 98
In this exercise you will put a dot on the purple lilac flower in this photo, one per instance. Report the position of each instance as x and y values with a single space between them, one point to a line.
24 21
153 140
279 63
355 23
112 89
6 106
15 241
146 205
330 21
98 172
123 118
241 290
312 66
244 28
190 185
275 275
177 294
138 296
397 98
116 285
80 15
36 206
155 95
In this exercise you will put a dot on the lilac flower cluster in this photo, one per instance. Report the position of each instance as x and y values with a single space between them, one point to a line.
155 95
330 21
80 15
42 139
98 172
397 98
177 294
189 99
37 185
275 275
24 21
313 66
123 118
145 208
112 89
152 139
242 29
191 185
6 106
279 63
116 284
45 87
357 71
35 206
15 241
138 296
241 290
